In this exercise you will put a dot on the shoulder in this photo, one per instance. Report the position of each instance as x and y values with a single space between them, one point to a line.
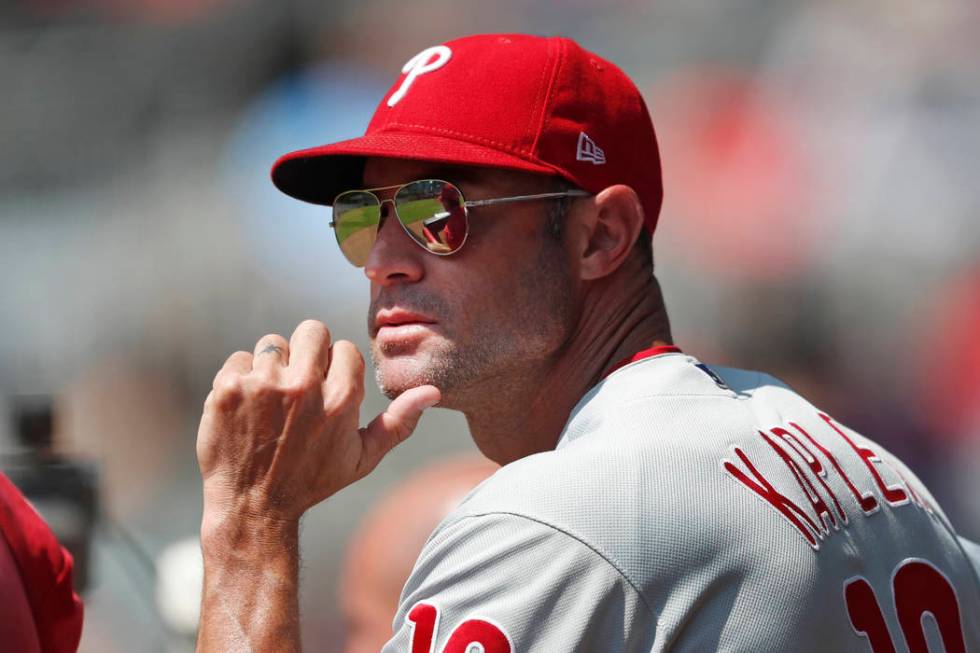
645 442
637 477
632 510
646 473
509 583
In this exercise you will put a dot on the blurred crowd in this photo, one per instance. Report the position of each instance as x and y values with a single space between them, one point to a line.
821 222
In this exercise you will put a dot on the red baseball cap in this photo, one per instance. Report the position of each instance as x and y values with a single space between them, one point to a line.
515 101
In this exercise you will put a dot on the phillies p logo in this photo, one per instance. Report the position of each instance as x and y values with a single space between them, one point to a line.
425 61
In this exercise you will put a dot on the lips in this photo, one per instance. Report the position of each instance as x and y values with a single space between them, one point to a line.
396 317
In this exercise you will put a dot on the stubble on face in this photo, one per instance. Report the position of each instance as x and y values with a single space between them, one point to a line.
498 334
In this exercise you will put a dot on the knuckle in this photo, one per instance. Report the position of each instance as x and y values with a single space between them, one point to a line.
341 400
302 385
346 396
351 349
227 384
315 326
336 412
259 389
228 390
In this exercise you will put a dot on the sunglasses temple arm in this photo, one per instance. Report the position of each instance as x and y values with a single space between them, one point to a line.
527 198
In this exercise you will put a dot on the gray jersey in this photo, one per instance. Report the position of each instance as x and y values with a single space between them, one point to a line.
694 509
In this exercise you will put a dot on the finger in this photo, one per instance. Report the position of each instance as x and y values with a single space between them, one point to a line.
271 354
309 348
238 363
395 424
345 378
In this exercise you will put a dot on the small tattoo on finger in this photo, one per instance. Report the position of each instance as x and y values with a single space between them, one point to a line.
272 349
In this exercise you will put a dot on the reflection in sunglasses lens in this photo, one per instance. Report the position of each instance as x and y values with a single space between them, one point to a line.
434 214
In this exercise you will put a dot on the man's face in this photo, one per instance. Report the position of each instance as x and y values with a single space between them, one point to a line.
488 315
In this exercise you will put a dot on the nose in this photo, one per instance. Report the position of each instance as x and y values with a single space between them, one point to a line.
393 258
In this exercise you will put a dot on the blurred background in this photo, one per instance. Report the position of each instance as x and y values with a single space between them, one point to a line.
821 222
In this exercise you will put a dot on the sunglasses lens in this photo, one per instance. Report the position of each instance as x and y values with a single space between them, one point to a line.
356 215
434 214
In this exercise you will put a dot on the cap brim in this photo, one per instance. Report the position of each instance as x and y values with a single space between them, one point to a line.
319 174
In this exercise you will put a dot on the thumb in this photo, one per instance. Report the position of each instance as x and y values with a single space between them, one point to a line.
395 424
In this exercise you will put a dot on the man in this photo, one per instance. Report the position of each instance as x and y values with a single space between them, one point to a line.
646 502
382 552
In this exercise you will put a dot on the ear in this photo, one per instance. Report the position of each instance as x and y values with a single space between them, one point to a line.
614 224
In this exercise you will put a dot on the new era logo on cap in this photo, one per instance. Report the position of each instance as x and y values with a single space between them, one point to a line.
587 150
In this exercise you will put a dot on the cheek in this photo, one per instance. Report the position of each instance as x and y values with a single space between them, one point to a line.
531 294
475 301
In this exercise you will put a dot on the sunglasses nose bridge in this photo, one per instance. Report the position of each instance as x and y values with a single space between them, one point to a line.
385 211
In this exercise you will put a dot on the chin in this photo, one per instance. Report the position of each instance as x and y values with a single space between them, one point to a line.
438 363
396 375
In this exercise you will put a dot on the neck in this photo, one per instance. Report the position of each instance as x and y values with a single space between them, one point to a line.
532 405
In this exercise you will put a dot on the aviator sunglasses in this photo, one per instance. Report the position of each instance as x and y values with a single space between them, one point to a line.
431 211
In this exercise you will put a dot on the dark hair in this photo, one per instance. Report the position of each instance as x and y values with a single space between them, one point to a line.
556 222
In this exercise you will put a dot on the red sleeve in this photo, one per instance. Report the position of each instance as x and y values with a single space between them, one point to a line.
45 569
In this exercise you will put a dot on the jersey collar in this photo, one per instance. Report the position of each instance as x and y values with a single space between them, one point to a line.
646 353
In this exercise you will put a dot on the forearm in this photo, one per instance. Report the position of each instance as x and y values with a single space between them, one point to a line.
250 600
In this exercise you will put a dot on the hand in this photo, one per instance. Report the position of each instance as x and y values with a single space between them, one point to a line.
280 428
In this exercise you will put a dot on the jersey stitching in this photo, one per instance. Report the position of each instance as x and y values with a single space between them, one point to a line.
666 395
733 394
612 563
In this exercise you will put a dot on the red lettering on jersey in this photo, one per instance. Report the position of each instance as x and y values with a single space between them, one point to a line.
865 615
758 484
894 495
818 469
867 501
423 619
488 637
819 506
921 589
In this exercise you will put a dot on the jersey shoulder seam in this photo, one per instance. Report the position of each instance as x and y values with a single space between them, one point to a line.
601 554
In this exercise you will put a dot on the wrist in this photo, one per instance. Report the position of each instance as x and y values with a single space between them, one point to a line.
245 533
251 582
